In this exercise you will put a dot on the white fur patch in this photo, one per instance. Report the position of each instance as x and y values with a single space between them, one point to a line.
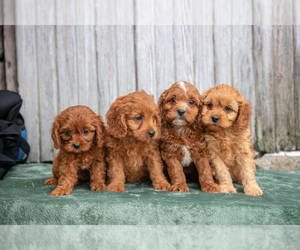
182 85
187 157
179 122
83 167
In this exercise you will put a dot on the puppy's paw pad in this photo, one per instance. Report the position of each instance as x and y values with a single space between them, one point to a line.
253 190
182 187
212 188
116 187
228 189
50 182
163 186
60 192
97 186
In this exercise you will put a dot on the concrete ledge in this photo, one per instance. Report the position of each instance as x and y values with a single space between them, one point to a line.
24 200
287 161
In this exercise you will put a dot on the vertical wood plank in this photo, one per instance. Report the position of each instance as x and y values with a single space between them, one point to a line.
9 12
10 58
28 86
87 66
107 67
145 46
163 46
26 14
125 59
264 85
48 89
242 66
2 73
66 66
297 81
183 41
282 37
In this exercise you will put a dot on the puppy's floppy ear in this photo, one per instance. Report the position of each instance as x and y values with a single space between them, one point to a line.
161 102
244 114
116 121
99 125
55 133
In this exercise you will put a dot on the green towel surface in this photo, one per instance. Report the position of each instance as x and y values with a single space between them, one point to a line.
24 200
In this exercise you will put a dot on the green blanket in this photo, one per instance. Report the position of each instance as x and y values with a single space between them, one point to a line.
24 200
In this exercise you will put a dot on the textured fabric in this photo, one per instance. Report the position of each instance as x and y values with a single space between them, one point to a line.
24 200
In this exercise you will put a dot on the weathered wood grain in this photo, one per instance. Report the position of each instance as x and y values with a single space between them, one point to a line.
2 76
9 32
242 67
66 54
297 82
183 41
264 85
28 87
9 12
107 67
87 67
47 87
282 37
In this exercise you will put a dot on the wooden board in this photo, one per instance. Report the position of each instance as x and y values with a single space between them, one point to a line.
28 87
297 83
47 87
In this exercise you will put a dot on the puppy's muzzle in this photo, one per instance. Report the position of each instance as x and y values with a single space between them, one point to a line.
181 112
215 119
76 145
151 133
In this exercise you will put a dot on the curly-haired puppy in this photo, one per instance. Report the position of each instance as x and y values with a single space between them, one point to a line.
183 147
226 115
78 133
133 128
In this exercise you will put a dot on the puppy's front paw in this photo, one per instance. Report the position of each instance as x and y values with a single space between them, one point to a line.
163 186
211 187
181 187
116 187
253 190
50 182
97 186
228 189
60 191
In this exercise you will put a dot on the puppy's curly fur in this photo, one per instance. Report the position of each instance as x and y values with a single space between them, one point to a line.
133 133
226 115
183 147
78 133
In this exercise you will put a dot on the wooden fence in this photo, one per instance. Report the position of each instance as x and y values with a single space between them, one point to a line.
63 65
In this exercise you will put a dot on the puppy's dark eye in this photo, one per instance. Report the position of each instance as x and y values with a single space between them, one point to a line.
173 99
209 105
85 132
191 102
138 118
67 132
227 109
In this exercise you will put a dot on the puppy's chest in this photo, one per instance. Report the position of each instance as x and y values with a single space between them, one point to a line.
84 163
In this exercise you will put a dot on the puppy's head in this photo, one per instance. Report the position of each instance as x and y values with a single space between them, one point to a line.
76 129
225 107
134 115
179 105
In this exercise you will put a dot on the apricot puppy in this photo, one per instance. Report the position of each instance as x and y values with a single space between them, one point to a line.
78 133
133 128
183 147
226 115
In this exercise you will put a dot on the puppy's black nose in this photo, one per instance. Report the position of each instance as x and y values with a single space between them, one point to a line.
76 145
215 119
151 133
181 112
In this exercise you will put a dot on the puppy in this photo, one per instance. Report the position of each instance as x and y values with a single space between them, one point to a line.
226 115
183 147
133 128
78 133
